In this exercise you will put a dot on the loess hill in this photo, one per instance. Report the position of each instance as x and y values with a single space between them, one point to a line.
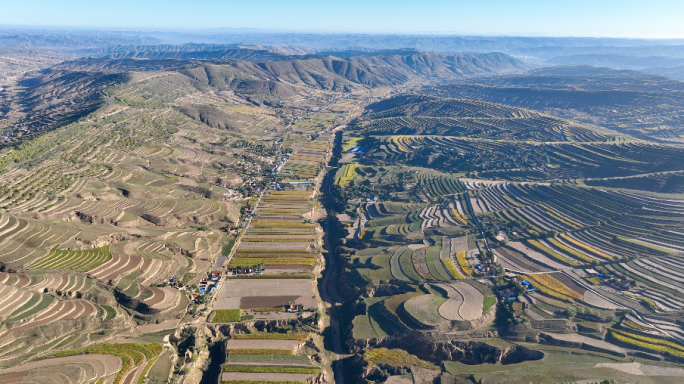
125 179
395 216
478 228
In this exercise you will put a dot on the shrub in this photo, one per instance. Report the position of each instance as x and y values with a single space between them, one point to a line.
111 312
226 315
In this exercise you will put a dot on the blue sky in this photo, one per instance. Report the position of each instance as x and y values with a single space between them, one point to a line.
610 18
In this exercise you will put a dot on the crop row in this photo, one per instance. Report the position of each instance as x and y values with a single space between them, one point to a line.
262 351
82 260
251 262
650 303
226 315
281 224
245 255
277 276
458 216
463 262
648 343
269 369
131 355
548 285
281 240
545 250
449 264
569 250
348 173
271 336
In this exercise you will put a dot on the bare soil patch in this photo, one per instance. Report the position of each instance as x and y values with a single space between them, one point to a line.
262 344
639 369
233 290
250 302
13 377
568 282
266 377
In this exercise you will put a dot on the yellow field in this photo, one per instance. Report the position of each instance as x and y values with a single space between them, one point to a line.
547 284
449 264
461 257
586 247
348 174
458 216
351 143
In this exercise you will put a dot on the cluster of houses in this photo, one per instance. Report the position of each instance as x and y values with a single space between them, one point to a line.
207 286
482 268
511 291
210 284
174 283
245 270
610 279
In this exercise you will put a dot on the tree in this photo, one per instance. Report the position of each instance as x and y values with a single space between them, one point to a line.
570 312
519 288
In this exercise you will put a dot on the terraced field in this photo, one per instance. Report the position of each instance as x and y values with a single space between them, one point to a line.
465 206
188 207
111 221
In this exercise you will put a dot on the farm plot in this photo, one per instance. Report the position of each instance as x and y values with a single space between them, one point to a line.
516 261
14 301
59 310
537 257
459 244
239 343
265 293
248 377
552 287
82 260
424 309
465 302
162 298
117 266
133 357
77 369
543 247
24 240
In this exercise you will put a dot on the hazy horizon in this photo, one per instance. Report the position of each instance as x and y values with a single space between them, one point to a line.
607 19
